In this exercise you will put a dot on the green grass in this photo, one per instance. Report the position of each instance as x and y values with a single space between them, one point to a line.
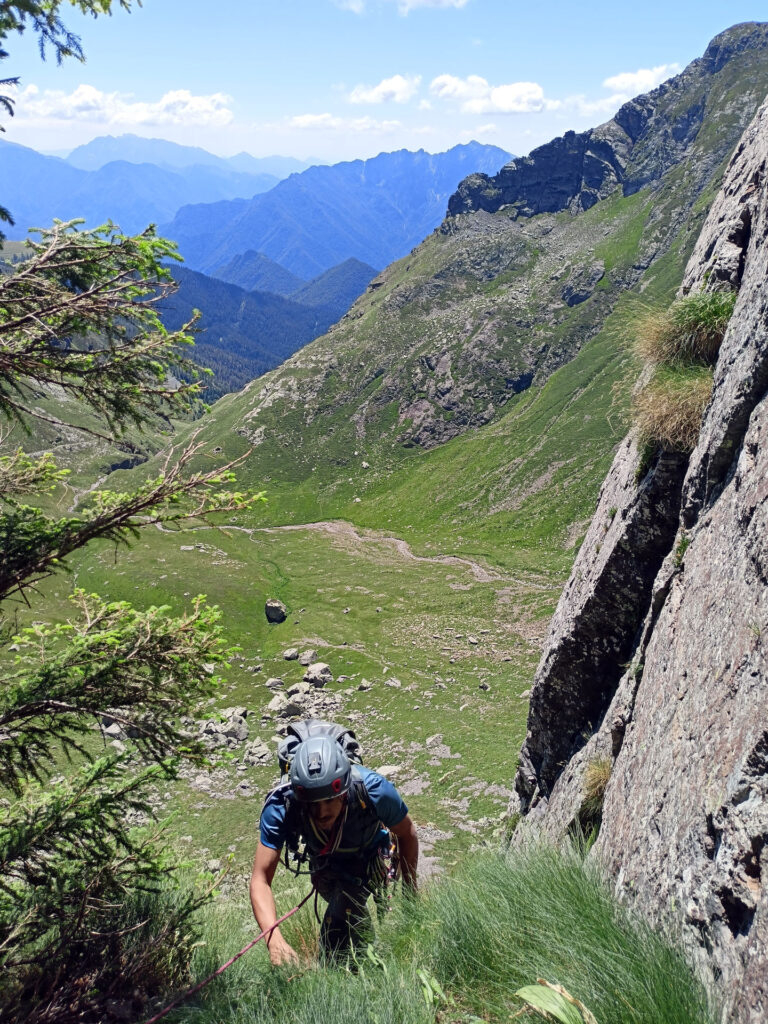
689 331
495 924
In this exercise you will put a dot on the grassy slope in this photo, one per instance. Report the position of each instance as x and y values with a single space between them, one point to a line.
515 497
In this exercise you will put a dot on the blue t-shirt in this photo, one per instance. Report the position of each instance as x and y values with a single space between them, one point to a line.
384 798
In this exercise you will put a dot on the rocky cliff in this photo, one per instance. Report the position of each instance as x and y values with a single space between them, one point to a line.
647 137
656 664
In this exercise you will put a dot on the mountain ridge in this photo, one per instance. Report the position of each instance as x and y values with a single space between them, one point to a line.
373 210
138 149
37 188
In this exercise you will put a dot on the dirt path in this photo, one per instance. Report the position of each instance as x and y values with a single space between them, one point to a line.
351 536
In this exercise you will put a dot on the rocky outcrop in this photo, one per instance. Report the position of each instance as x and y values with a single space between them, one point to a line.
594 628
647 137
682 708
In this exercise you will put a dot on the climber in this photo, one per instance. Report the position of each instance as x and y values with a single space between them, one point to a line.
344 815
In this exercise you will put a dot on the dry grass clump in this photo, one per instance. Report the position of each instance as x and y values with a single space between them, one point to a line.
669 409
680 346
690 331
597 775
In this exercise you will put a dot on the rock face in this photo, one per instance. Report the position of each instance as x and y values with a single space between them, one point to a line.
635 147
684 829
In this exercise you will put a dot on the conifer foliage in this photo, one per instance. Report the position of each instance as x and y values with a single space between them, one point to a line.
86 911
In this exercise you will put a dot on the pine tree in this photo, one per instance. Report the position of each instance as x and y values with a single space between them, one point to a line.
84 911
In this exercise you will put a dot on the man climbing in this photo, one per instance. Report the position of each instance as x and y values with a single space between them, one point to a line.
343 813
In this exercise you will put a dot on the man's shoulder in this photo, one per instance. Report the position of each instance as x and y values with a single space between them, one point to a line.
372 780
276 802
383 795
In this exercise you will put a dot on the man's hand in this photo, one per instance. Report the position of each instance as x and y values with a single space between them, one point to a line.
280 952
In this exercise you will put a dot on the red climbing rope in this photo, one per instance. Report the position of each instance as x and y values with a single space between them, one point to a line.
220 970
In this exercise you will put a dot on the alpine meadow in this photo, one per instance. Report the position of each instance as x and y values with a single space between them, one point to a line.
462 451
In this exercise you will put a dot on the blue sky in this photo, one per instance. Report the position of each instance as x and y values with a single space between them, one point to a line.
339 79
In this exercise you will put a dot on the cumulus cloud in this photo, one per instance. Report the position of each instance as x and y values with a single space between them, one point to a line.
397 89
586 108
330 122
86 103
643 80
477 96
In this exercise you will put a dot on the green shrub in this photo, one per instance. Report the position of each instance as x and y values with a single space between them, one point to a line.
689 331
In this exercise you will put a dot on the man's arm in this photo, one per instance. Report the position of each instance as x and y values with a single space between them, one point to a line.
408 843
263 902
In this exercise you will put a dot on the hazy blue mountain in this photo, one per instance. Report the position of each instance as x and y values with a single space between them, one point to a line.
338 287
138 150
243 334
253 270
280 166
37 188
371 210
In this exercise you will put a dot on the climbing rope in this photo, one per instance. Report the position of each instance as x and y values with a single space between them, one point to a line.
220 970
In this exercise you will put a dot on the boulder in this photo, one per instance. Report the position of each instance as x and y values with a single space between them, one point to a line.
291 654
307 657
257 752
275 610
299 689
235 728
318 674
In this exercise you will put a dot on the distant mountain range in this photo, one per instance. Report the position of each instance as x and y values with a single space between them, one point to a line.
135 149
372 210
37 188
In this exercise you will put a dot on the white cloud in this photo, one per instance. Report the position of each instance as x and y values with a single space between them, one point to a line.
86 103
403 6
643 80
397 89
330 122
586 108
478 96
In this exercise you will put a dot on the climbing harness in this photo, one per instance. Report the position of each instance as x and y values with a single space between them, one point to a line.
220 970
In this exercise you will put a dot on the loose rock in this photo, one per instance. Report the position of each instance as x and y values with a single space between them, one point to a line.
318 674
275 610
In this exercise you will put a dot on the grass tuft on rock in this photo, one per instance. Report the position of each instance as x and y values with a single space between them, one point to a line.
689 331
678 348
597 775
668 410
